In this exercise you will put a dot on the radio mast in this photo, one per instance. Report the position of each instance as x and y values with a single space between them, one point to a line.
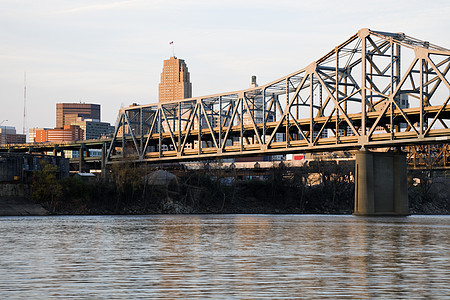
24 102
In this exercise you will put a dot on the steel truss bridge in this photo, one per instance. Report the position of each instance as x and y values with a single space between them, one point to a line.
376 89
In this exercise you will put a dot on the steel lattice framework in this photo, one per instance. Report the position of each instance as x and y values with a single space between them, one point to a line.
377 89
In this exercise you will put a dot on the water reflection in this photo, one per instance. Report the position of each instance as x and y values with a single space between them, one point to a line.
232 256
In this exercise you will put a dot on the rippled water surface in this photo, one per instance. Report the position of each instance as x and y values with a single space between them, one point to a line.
224 257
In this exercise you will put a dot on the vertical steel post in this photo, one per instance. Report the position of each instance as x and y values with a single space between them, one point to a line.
159 131
179 128
287 113
141 129
363 85
241 119
123 134
199 122
337 94
392 91
421 97
311 111
220 122
264 116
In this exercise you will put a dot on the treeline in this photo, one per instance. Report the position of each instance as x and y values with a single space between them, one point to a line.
320 187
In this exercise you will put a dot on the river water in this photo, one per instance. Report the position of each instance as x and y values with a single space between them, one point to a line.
224 257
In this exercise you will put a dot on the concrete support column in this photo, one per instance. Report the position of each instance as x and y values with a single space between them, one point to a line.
81 162
381 184
103 161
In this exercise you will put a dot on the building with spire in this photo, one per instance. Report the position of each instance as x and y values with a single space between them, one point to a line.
175 81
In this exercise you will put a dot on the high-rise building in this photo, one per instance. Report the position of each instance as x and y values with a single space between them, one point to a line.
175 81
66 113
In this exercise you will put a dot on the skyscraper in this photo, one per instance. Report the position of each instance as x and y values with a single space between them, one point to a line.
175 81
66 113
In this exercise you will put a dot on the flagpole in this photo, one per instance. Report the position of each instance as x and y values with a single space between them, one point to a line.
173 48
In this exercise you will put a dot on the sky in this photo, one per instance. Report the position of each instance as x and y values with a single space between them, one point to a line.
111 52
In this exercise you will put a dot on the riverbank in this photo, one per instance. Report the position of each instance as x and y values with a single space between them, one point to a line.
128 190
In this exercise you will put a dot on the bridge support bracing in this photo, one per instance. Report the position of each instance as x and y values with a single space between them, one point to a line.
380 184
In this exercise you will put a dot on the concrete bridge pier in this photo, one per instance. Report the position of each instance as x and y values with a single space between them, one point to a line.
381 184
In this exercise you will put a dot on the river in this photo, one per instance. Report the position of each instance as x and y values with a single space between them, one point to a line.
224 257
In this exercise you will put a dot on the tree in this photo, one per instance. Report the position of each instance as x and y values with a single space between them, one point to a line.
46 188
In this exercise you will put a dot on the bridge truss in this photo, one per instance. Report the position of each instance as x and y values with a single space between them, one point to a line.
377 89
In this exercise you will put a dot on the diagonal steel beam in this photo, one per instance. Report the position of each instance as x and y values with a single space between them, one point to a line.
169 127
287 109
132 134
255 128
230 125
209 125
337 105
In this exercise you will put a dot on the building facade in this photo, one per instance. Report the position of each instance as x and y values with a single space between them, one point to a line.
66 113
69 133
175 81
32 134
93 129
8 135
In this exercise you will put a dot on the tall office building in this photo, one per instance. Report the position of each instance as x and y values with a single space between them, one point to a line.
175 81
66 113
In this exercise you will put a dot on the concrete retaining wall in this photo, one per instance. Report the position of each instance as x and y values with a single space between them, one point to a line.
15 201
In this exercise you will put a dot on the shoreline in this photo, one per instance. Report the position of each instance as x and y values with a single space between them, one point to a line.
325 189
16 207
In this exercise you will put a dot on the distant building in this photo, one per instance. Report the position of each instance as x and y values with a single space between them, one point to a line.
84 115
175 81
19 167
69 133
256 109
32 134
403 101
8 135
66 113
93 129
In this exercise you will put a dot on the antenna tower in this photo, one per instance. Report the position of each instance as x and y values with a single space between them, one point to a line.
24 102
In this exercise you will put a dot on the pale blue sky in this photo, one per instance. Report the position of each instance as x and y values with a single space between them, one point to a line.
111 52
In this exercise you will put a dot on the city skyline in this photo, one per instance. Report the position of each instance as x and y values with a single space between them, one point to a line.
112 53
